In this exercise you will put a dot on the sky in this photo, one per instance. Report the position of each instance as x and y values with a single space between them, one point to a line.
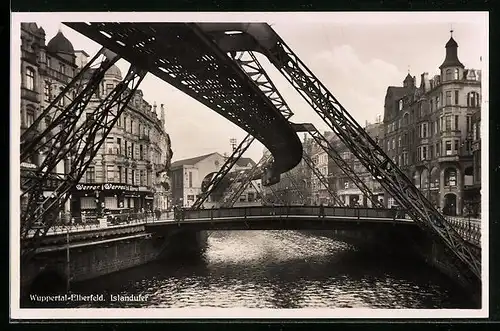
355 55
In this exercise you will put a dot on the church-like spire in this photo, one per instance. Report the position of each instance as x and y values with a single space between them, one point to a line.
451 59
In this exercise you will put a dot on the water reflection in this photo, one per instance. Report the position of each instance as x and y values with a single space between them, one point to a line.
281 269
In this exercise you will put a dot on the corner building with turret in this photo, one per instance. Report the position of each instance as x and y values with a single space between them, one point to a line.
432 133
129 169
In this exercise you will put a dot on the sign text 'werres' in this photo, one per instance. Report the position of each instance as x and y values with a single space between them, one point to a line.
106 187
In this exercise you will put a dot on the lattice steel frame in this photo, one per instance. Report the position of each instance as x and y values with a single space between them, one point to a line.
371 155
185 57
339 161
249 63
223 171
86 141
244 179
65 121
295 185
259 192
322 179
84 87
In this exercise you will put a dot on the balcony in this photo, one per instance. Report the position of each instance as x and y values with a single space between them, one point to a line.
448 158
58 75
28 94
450 133
144 138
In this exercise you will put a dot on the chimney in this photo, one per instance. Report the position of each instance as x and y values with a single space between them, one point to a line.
425 84
154 107
162 115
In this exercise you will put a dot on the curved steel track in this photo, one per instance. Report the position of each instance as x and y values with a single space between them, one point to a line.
184 56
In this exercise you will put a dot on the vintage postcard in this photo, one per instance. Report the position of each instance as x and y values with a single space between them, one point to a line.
249 165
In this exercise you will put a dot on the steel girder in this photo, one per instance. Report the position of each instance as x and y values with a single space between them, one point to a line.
339 161
322 179
86 141
93 72
223 171
64 121
277 197
295 186
249 63
242 180
259 193
392 179
59 145
185 57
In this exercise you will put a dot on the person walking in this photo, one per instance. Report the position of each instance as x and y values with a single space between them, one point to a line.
321 210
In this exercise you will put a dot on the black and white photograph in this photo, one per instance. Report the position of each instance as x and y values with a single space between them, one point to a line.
249 165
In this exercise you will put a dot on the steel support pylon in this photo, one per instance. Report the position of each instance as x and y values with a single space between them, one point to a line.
59 144
339 161
85 141
242 180
322 179
223 171
295 186
250 65
84 84
392 179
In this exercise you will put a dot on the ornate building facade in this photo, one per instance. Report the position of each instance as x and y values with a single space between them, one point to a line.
128 170
345 188
45 70
429 132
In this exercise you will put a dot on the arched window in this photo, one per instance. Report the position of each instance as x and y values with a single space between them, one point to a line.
450 177
456 73
30 78
449 74
406 119
434 178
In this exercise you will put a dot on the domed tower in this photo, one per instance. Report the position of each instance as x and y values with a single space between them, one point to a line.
62 47
113 73
111 78
452 68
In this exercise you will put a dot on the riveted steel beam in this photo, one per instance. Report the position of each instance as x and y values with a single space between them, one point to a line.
85 142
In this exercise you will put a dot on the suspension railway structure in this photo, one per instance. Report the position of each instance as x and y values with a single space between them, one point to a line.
216 64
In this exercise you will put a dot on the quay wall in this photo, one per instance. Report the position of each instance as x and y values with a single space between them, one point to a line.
48 272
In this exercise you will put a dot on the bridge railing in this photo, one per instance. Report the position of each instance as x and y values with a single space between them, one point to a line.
65 224
469 230
293 210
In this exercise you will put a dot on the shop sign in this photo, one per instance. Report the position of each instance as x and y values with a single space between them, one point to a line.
106 187
27 165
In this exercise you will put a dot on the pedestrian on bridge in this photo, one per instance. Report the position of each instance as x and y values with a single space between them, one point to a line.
176 213
321 210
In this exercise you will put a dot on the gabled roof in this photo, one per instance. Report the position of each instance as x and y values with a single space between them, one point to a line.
244 161
190 161
397 92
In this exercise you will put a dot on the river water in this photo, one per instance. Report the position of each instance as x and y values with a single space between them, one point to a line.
281 269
